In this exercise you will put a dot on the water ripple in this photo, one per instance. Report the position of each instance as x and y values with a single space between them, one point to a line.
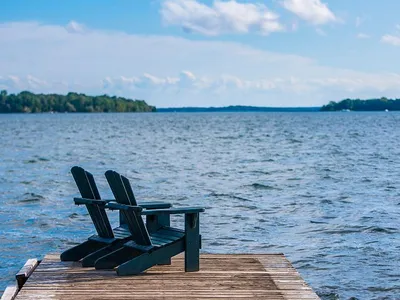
323 188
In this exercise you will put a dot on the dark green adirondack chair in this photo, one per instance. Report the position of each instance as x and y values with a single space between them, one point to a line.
148 248
107 239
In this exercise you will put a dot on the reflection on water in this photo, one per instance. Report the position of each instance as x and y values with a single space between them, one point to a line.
323 188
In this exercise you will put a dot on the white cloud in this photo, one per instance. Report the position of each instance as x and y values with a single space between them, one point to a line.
75 27
222 17
9 81
22 83
187 79
353 82
391 39
363 36
170 71
313 11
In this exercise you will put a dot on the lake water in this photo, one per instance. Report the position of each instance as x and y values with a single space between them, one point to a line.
323 188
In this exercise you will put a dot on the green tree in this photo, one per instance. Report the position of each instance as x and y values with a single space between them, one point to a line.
72 102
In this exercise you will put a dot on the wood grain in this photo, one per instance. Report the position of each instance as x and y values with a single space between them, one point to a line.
26 271
221 276
10 293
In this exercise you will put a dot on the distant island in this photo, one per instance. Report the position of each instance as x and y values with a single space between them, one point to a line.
381 104
27 102
238 108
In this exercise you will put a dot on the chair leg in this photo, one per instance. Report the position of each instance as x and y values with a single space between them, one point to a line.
154 223
90 260
192 243
147 260
115 258
165 221
81 250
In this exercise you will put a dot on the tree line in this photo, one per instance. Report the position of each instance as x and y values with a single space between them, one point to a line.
239 108
27 102
363 105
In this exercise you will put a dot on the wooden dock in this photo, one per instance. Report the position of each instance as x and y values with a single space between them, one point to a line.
221 276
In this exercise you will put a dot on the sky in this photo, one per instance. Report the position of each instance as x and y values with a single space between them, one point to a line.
175 53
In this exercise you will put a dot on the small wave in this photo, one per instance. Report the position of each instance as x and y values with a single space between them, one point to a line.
247 161
228 238
318 222
300 261
268 160
330 295
366 180
44 225
345 199
255 172
213 194
295 141
251 207
216 243
375 229
342 231
73 216
379 156
31 197
390 187
307 196
43 159
246 240
30 161
240 217
211 174
382 289
260 186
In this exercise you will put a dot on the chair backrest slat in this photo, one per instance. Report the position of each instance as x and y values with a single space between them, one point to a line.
121 196
117 188
120 188
93 185
88 189
129 191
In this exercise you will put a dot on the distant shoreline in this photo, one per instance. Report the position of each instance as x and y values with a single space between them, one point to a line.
27 102
238 108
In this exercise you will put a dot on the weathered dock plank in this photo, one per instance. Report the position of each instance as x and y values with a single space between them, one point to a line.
26 271
221 276
10 293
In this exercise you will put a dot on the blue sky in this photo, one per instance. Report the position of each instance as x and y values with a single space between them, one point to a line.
203 52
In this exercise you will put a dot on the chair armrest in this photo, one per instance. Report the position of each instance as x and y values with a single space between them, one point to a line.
117 206
154 204
80 201
173 211
108 200
145 204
